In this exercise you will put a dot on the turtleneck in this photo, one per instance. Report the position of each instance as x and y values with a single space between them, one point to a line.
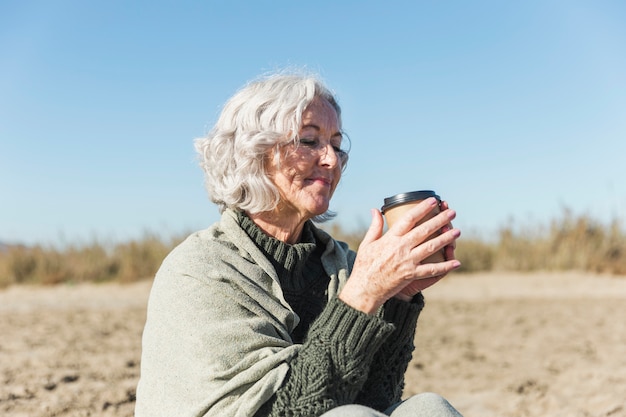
299 269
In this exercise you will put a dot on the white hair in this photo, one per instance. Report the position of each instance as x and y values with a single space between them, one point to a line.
261 115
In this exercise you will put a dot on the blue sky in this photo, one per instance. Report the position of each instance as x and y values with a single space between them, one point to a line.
512 111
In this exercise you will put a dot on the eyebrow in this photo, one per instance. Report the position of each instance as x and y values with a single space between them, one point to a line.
316 127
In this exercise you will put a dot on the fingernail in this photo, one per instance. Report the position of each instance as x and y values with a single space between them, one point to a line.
456 264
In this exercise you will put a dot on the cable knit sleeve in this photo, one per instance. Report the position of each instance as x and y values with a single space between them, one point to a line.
333 364
385 383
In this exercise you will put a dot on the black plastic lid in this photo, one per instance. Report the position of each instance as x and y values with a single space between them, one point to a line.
402 198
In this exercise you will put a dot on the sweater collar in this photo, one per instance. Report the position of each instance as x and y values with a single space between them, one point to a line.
291 257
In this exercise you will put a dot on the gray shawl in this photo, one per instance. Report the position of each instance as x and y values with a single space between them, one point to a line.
216 340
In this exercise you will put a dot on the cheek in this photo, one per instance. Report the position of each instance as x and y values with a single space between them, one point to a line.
287 178
337 175
281 168
295 168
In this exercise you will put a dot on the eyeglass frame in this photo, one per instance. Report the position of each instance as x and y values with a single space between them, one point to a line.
303 142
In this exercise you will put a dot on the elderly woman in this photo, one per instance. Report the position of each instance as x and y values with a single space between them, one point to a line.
264 314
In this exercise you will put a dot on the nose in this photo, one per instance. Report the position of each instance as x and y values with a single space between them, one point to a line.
328 156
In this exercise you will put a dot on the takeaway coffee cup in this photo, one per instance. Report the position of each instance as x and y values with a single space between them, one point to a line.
395 206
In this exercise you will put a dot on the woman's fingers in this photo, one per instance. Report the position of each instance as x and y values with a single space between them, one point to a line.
421 233
436 269
408 292
375 231
444 241
392 264
448 251
413 216
426 238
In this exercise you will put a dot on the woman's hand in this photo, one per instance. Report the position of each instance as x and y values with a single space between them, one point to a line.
390 265
408 292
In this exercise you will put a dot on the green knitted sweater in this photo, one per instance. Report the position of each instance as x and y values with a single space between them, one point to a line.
332 369
231 330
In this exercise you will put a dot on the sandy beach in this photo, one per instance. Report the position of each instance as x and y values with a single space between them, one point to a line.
496 344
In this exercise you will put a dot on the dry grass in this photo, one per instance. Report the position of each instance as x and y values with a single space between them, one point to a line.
93 262
568 243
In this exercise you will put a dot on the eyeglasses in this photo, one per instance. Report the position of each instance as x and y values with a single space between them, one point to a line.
316 146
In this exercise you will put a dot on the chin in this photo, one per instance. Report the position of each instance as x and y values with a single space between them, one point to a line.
318 211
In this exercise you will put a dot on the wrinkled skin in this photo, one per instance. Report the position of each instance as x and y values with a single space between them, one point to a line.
389 265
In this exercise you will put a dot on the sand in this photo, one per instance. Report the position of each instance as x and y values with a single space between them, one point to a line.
496 344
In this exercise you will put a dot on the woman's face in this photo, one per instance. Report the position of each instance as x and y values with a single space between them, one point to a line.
309 171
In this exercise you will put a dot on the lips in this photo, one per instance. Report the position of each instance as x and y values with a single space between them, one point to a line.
325 181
